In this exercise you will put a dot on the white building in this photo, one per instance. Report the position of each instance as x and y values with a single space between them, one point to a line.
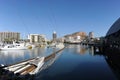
69 39
91 35
37 38
78 37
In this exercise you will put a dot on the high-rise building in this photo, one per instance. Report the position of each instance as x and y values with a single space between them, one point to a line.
9 36
54 36
91 35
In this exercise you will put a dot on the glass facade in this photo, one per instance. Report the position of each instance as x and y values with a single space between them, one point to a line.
113 35
114 28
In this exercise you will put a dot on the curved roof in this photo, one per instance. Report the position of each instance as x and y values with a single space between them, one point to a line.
114 28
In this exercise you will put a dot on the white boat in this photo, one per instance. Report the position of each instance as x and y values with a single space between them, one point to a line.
59 45
27 67
14 46
51 45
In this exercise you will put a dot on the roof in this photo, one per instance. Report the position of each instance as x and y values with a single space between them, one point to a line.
114 28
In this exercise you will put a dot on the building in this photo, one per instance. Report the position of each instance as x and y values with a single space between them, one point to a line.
112 38
9 36
54 36
68 38
114 28
112 47
91 35
76 37
37 38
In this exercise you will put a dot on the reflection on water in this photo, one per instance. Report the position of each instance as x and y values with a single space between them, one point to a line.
48 62
78 62
80 49
75 62
77 49
91 50
113 62
8 57
13 56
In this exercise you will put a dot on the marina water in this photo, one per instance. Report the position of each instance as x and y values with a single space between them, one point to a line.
75 62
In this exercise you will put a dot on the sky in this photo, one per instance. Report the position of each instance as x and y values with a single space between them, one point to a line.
62 16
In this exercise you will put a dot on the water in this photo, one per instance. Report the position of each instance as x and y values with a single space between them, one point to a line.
13 56
75 62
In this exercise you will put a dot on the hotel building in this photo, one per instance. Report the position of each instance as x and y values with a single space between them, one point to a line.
9 36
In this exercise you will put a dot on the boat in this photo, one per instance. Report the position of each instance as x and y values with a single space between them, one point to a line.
58 45
30 45
14 46
31 66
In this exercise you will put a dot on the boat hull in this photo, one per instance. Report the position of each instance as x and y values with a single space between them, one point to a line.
27 67
13 48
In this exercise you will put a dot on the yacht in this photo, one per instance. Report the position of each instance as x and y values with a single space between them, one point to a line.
14 46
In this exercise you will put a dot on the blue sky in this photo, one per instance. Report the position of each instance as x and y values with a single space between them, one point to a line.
62 16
